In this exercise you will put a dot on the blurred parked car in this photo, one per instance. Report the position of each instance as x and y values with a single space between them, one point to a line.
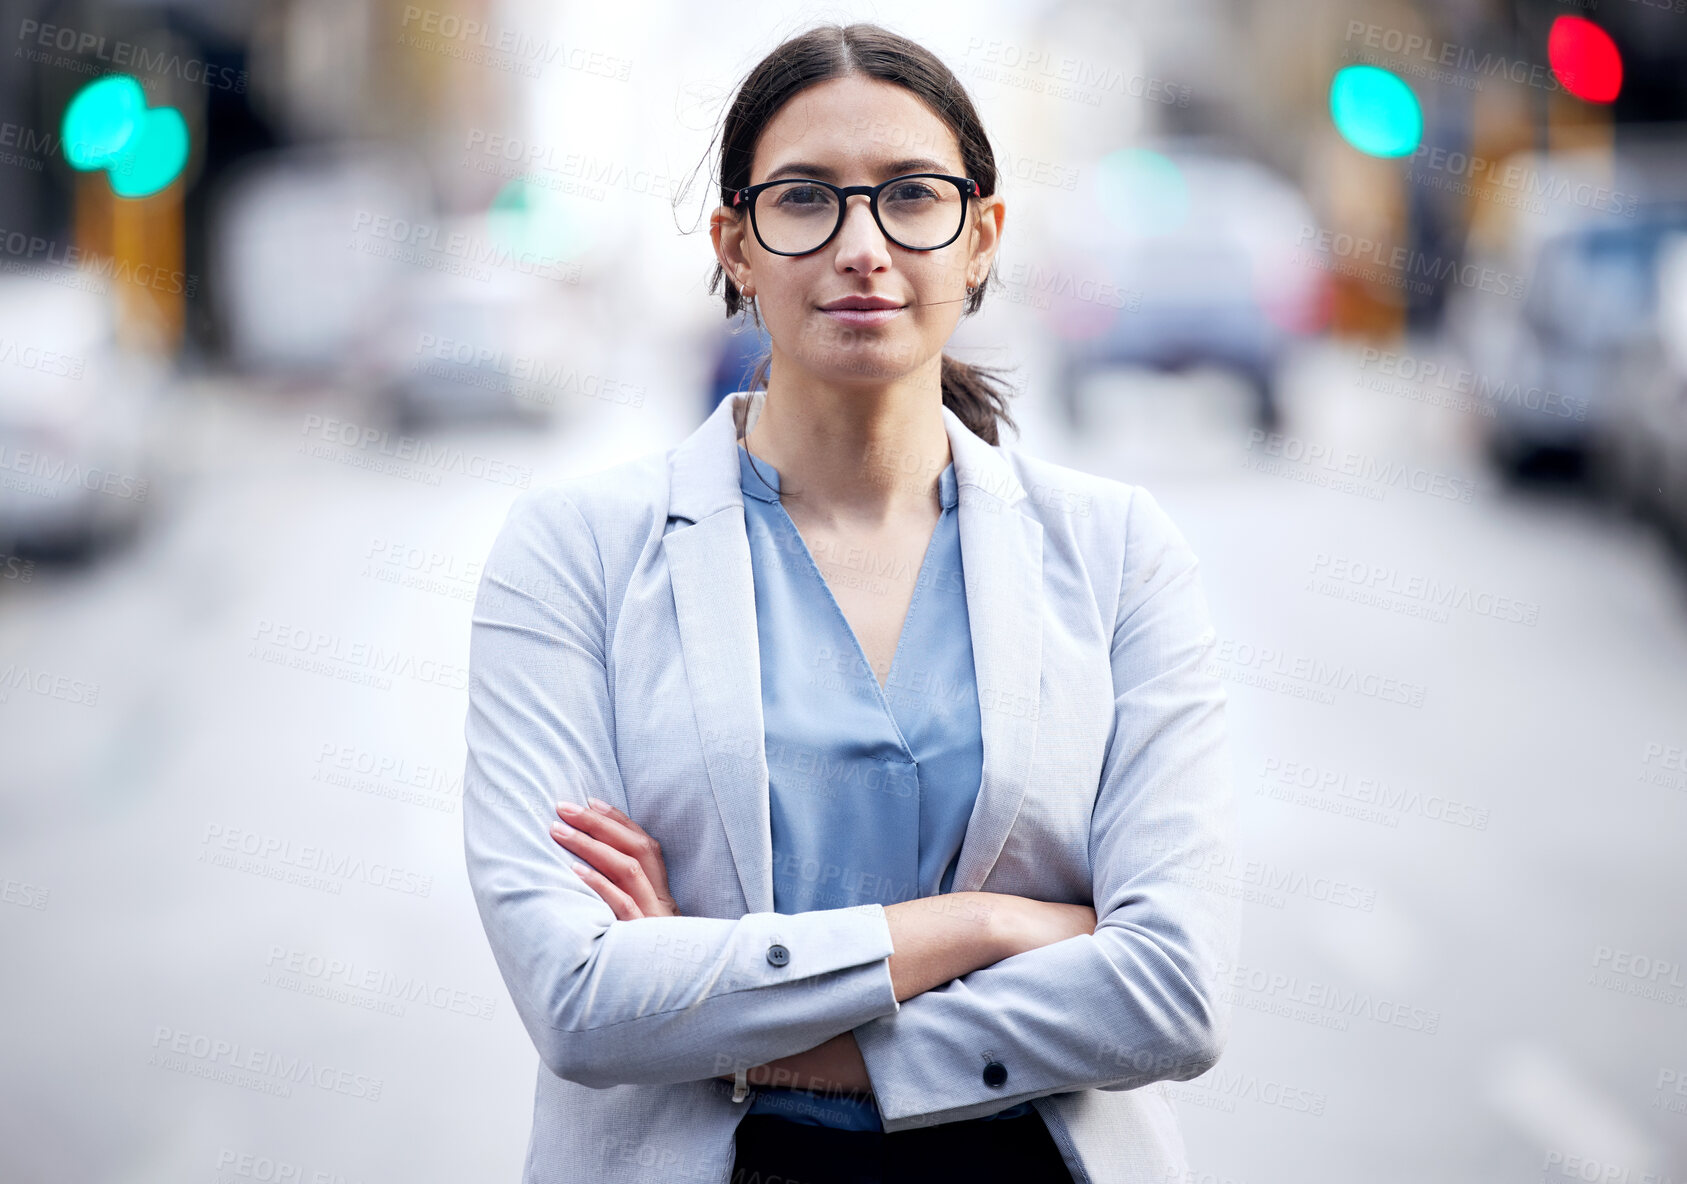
333 265
1550 361
78 413
1181 254
309 244
456 348
1642 456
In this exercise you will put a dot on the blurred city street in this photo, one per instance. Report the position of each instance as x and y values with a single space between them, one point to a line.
1462 862
1415 392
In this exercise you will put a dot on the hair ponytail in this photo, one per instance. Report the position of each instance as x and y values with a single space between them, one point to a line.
977 396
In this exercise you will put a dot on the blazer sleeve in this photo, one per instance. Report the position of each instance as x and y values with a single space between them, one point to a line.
1139 1000
610 1002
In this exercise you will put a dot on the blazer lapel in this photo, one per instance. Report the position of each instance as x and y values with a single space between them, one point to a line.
708 556
1002 556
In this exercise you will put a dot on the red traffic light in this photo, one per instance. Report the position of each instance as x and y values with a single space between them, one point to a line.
1585 59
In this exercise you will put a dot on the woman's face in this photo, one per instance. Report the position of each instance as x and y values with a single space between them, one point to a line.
857 130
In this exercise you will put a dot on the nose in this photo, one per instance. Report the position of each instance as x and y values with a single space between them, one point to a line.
861 245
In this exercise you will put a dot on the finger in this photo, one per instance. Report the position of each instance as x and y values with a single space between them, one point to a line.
619 815
604 857
597 822
622 833
619 902
616 866
646 850
610 825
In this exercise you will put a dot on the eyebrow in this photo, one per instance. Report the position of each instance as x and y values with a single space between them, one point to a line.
896 168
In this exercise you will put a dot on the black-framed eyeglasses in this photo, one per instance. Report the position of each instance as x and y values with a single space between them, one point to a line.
799 215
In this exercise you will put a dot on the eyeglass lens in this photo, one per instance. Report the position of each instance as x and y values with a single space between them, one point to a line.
920 213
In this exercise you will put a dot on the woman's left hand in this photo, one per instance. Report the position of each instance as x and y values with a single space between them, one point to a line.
617 859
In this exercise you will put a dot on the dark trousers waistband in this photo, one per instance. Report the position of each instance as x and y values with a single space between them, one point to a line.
771 1150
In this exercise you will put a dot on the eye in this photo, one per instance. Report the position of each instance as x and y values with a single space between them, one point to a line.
803 195
910 192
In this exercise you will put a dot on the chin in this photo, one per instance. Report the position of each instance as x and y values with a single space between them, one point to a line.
859 364
830 350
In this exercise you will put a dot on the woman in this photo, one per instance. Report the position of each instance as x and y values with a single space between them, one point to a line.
806 851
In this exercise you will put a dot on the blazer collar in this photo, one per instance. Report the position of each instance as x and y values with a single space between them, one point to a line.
710 570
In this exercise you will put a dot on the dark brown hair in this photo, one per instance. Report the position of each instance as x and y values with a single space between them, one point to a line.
972 392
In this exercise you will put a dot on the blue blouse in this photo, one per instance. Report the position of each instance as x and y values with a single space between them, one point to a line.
870 789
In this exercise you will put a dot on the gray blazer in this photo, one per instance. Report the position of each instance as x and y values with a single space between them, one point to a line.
613 653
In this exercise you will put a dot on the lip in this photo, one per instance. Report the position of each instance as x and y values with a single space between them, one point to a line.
843 303
865 311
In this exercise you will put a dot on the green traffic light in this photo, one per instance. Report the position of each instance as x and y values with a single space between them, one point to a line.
1375 111
154 155
109 126
100 121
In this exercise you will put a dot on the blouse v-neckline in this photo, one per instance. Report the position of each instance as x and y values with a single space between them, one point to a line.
947 495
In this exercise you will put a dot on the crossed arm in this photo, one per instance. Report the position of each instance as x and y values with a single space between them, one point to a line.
937 938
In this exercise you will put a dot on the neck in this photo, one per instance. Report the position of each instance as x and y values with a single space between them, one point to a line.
861 454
